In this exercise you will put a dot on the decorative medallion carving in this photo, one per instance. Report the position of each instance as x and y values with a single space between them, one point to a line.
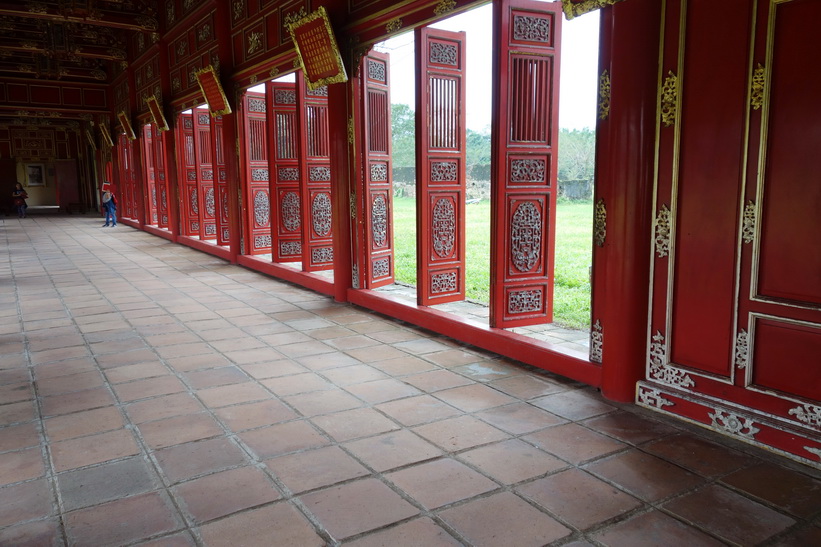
319 174
807 413
443 283
393 25
443 171
742 350
256 105
351 131
254 42
749 222
239 7
663 232
381 268
259 174
444 228
204 119
379 221
599 223
321 91
733 424
204 34
210 206
443 54
352 203
444 7
524 301
262 209
207 174
285 96
669 99
757 88
527 170
604 95
376 71
526 236
653 397
262 242
188 123
596 342
355 276
531 29
322 255
290 248
379 172
321 214
288 173
193 199
289 208
660 370
273 73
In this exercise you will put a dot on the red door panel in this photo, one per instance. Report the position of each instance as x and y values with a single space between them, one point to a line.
285 176
220 184
257 174
440 166
524 172
206 198
189 194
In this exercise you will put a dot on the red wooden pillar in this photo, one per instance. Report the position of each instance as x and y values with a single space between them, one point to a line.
624 181
339 109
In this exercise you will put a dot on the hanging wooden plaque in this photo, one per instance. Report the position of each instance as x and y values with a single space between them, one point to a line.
156 113
106 134
212 91
125 123
317 49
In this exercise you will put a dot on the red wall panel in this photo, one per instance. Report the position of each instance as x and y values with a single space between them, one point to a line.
781 357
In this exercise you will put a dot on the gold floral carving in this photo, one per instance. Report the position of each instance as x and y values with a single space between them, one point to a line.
757 88
444 7
599 223
604 95
669 99
274 72
393 25
574 8
254 42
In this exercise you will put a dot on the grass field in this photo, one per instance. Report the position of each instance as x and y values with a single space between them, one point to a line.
574 236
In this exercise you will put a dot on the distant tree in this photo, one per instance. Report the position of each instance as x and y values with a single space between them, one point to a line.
577 154
404 136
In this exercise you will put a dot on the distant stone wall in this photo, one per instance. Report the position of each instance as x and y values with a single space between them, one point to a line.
576 190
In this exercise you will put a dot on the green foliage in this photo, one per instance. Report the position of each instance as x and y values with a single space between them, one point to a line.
404 135
577 154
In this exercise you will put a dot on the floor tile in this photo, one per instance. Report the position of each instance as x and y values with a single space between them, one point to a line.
450 358
99 448
306 382
19 412
382 391
503 519
327 361
20 436
66 384
484 371
420 531
578 498
239 489
188 460
574 443
697 454
519 418
323 402
654 529
280 439
525 387
197 361
353 424
83 423
247 392
122 521
136 372
110 481
436 380
354 374
512 461
26 501
418 410
148 387
441 482
21 465
179 429
256 528
729 515
215 377
273 369
315 468
630 428
33 534
646 477
404 365
794 492
454 434
166 406
357 507
392 450
251 415
76 401
574 405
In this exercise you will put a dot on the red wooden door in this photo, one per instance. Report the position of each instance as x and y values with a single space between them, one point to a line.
160 178
152 215
257 174
205 165
440 166
284 135
220 183
735 329
376 206
523 178
65 178
190 208
315 169
127 189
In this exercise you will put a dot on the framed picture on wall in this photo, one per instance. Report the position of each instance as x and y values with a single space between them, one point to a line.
35 174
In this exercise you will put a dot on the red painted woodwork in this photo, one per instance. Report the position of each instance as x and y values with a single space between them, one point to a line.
125 186
187 179
161 194
315 177
283 131
221 192
523 177
625 152
440 166
205 169
377 206
258 199
735 316
150 174
66 182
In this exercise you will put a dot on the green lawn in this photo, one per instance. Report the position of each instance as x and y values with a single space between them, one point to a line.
574 228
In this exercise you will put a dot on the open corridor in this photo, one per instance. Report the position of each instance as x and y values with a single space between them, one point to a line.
154 394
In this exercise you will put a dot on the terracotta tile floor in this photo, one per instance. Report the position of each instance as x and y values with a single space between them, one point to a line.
153 394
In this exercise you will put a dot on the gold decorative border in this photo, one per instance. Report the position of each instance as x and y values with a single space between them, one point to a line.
125 123
90 138
106 134
574 8
156 112
210 74
341 75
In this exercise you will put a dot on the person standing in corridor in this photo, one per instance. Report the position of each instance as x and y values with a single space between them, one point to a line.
110 208
20 197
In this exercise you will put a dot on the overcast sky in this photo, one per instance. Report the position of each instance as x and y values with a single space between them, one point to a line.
579 58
